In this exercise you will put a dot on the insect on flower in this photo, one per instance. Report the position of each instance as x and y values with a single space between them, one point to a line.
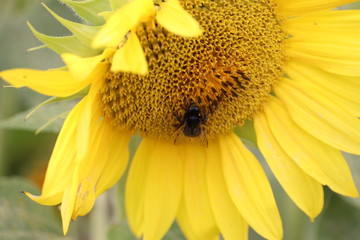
189 72
191 125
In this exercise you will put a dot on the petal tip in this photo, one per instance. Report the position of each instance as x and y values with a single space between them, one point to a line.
29 195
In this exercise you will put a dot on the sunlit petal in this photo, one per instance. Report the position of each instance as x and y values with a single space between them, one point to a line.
135 187
321 117
116 162
308 193
337 84
196 195
184 223
52 83
296 8
130 57
337 24
174 18
343 59
59 172
249 187
164 175
85 68
122 21
319 160
227 216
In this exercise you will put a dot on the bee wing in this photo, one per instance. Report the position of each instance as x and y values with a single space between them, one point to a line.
202 139
182 139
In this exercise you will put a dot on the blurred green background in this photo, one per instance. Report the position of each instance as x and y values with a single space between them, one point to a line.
24 154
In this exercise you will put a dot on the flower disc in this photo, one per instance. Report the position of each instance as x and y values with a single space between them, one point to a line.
227 72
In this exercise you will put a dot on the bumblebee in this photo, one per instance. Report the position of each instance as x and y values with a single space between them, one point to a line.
191 125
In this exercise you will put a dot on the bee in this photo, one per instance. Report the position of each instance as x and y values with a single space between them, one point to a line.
191 124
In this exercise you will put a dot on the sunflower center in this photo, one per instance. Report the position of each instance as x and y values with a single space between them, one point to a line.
202 86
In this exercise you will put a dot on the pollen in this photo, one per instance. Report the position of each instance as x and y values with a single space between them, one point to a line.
227 72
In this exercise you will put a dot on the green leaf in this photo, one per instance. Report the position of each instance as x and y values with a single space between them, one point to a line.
84 33
247 134
89 9
23 219
67 44
53 113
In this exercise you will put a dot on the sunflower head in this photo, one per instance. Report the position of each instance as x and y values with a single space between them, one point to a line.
227 72
183 72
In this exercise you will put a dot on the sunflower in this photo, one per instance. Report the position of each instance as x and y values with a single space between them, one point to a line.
183 74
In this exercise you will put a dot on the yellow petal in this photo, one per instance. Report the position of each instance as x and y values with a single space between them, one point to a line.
81 191
249 188
79 196
52 83
336 95
122 21
116 162
130 57
93 163
343 86
184 223
59 172
91 166
85 197
174 18
48 200
135 187
68 201
196 197
230 222
338 58
306 192
321 117
164 187
85 68
343 23
91 110
322 162
79 177
296 8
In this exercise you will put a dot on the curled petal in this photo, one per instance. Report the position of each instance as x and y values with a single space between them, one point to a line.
174 18
130 57
122 21
86 68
